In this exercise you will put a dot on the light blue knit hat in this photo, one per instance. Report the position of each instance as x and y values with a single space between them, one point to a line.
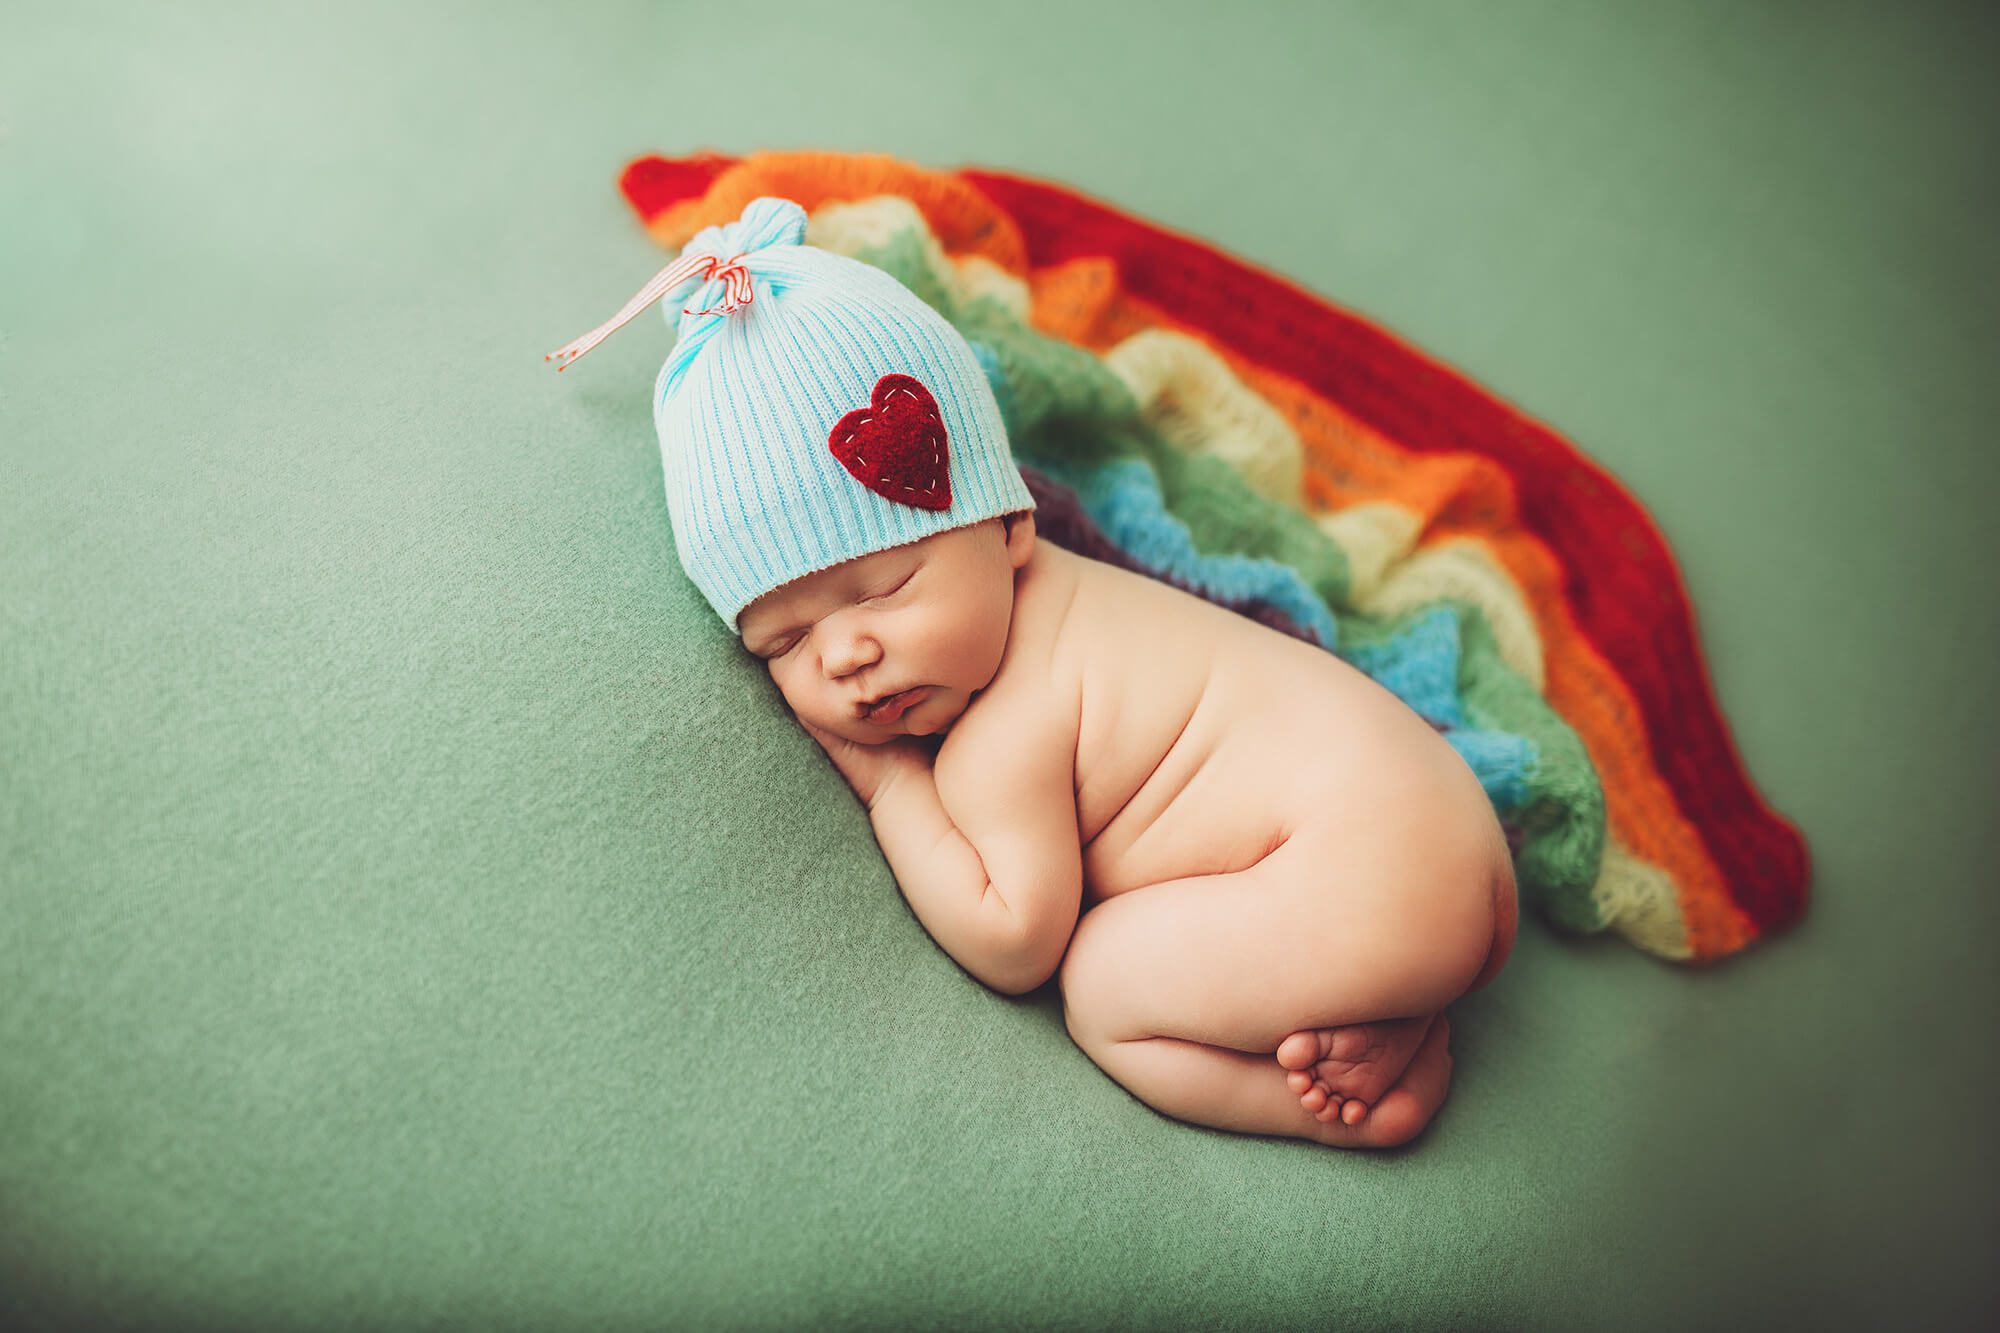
813 410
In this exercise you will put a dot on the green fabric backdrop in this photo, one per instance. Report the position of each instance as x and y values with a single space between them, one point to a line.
418 913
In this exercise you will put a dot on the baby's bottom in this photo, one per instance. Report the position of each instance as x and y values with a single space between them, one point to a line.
1185 992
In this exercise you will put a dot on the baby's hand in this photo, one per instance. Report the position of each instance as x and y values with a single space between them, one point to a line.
871 769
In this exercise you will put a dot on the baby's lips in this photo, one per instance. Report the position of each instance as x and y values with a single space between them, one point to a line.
911 697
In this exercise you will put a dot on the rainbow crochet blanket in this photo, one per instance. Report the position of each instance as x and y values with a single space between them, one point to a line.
1183 414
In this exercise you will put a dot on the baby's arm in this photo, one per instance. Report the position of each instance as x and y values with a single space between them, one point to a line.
987 851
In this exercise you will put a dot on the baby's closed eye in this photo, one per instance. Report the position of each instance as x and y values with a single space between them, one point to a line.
792 640
889 592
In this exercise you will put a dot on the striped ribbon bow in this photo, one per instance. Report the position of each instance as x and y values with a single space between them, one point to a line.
673 275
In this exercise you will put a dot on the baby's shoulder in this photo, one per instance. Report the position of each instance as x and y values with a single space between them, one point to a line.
1034 698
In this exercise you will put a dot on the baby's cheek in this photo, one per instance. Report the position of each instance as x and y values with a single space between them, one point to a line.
771 670
798 709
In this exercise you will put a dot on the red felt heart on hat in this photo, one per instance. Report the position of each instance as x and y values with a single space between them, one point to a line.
896 446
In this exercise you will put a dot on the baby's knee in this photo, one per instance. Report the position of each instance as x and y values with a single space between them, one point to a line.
1470 917
1086 978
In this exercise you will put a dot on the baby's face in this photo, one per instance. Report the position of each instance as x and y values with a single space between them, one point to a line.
933 613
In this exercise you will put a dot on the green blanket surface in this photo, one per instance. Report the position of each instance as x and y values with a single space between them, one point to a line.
419 913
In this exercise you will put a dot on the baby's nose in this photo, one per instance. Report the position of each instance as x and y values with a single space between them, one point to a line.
852 653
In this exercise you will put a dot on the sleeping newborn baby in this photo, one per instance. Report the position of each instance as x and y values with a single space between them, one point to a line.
1284 875
1257 875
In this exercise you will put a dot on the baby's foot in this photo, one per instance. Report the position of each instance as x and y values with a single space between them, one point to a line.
1340 1072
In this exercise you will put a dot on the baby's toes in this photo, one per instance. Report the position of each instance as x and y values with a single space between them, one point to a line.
1318 1099
1301 1049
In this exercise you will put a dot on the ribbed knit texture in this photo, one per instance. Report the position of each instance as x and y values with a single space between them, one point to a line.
745 402
1229 434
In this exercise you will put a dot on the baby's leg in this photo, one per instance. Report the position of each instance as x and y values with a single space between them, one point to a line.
1183 991
1228 1089
1343 1071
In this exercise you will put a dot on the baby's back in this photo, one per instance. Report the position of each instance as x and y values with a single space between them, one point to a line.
1206 740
